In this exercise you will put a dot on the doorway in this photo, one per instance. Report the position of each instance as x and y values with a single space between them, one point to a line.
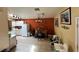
77 34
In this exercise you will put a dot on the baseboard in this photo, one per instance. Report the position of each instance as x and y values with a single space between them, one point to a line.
4 50
12 48
8 50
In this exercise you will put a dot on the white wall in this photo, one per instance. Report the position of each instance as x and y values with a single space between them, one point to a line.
68 35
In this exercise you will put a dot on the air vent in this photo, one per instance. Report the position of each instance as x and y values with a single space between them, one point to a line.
37 9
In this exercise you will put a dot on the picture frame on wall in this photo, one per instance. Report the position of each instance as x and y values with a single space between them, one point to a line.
66 16
56 22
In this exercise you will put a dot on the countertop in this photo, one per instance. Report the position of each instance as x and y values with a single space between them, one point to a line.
11 34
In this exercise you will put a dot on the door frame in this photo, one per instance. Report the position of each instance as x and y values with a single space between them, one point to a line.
76 33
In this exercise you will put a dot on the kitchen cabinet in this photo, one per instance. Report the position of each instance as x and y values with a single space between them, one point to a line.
11 32
12 41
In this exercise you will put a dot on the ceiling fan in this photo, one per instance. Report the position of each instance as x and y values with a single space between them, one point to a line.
39 14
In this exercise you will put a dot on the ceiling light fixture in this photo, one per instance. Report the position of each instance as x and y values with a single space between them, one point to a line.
39 15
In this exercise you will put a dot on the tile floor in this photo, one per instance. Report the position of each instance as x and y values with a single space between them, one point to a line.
31 44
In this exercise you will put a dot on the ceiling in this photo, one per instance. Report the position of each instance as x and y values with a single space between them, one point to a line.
29 12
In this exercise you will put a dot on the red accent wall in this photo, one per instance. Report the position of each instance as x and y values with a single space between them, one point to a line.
46 24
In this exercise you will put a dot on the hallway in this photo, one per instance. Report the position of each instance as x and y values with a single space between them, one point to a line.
31 44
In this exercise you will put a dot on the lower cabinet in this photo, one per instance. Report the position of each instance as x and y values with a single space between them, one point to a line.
13 42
